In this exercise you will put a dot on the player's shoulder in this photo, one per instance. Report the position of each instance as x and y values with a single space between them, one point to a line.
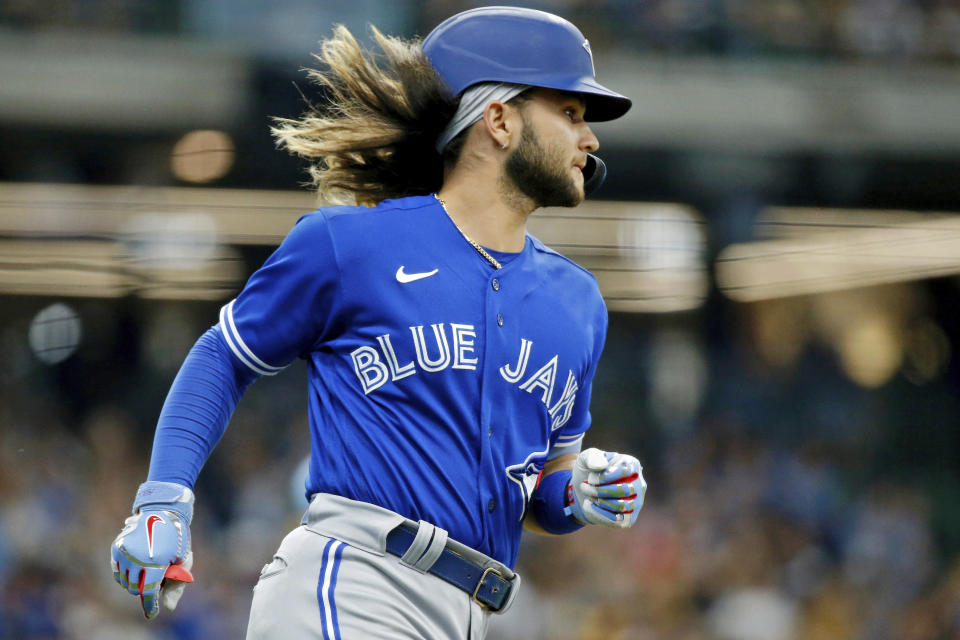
572 284
347 225
355 215
562 266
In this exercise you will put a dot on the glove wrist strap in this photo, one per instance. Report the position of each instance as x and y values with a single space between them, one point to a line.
165 495
549 501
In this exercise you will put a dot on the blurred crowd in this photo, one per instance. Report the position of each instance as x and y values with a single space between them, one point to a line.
745 534
904 30
741 541
845 29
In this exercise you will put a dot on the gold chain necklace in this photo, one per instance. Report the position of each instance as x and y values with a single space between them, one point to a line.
483 252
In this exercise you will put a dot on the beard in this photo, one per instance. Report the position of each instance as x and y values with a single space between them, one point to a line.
540 173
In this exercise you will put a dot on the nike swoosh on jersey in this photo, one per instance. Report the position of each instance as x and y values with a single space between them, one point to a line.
410 277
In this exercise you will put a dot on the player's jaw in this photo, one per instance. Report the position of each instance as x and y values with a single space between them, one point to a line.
544 172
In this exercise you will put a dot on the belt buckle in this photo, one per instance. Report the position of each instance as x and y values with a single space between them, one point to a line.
480 584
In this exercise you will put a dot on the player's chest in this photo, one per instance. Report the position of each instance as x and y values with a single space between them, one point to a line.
426 316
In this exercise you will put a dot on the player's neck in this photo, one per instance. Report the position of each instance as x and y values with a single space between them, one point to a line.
486 215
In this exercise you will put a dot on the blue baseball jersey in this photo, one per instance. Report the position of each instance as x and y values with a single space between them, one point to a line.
437 383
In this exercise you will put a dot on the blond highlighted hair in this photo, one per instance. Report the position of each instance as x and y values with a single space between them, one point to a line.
373 136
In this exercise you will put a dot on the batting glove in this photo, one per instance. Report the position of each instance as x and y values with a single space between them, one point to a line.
606 489
151 557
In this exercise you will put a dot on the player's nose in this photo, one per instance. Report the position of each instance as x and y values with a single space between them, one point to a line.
588 141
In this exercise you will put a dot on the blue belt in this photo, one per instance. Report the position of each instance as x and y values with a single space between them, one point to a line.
486 585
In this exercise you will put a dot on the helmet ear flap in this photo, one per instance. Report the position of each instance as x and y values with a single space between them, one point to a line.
594 173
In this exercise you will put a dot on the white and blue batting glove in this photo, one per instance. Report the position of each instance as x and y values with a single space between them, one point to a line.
606 489
151 557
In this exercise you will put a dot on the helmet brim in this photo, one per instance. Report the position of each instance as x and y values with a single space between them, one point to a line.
602 104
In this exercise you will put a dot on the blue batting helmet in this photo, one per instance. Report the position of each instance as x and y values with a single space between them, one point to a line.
520 46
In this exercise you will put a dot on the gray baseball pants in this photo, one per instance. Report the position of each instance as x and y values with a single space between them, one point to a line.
332 578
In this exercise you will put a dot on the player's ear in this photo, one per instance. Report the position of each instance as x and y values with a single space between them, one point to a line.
501 123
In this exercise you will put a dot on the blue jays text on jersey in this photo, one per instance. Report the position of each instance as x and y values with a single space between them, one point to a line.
437 384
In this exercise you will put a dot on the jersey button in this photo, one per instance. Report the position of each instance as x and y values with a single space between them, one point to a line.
495 284
499 320
491 505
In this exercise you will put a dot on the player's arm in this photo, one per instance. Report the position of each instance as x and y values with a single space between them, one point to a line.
577 488
277 317
152 558
559 464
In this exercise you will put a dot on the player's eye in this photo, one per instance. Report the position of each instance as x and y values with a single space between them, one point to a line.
572 114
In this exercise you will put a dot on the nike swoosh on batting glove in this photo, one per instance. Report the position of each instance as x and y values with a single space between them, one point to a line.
151 557
606 489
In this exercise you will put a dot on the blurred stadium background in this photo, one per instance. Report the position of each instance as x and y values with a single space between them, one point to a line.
779 244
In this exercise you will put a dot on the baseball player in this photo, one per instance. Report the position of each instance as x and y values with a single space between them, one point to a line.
451 354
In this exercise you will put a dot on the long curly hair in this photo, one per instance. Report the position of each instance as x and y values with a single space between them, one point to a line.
372 136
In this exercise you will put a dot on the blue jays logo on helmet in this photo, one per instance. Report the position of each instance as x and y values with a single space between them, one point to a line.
586 45
520 46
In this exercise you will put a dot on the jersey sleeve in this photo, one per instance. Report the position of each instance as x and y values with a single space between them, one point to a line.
576 419
195 414
286 303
